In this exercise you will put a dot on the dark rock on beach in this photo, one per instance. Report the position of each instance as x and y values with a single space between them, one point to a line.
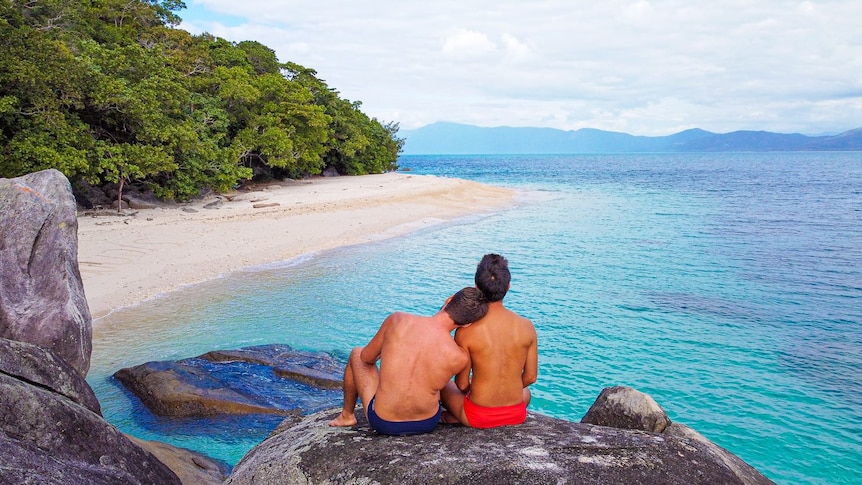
270 379
43 301
542 450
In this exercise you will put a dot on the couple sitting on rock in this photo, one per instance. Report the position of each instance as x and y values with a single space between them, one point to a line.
418 358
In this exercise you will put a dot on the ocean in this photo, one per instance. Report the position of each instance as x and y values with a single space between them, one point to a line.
728 286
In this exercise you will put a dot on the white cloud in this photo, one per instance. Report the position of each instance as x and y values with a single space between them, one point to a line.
515 49
646 67
463 44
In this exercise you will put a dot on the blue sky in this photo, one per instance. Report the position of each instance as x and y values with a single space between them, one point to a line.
641 67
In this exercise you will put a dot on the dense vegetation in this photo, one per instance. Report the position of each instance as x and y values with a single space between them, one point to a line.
110 91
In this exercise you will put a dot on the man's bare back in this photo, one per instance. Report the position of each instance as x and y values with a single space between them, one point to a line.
417 358
502 347
503 356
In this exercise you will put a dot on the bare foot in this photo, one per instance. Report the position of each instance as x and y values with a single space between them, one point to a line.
344 420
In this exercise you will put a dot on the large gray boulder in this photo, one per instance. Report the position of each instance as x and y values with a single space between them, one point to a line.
47 438
42 297
542 450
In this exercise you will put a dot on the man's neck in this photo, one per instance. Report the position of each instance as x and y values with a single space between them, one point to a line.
495 304
444 321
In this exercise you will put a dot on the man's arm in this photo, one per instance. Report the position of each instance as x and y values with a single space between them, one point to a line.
531 366
371 353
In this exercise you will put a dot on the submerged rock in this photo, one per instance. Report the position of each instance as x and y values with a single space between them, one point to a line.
316 369
269 379
192 468
542 450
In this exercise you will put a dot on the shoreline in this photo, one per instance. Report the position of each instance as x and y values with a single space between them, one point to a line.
133 257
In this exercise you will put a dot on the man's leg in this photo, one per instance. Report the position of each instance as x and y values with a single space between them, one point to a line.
453 401
360 382
527 395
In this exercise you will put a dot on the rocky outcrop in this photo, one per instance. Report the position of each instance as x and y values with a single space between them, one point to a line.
42 298
252 380
51 428
50 438
542 450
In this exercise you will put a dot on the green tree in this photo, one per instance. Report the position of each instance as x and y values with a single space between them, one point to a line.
107 91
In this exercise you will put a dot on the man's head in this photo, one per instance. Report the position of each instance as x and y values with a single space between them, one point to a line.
493 277
467 306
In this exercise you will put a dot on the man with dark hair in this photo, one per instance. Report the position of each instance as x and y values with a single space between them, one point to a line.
503 356
417 358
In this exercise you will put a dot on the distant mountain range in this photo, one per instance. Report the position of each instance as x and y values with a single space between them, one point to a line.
452 138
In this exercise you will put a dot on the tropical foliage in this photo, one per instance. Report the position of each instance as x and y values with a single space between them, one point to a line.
111 91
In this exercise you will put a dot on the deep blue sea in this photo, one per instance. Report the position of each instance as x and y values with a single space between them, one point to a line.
726 286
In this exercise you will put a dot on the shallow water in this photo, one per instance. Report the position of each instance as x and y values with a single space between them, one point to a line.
727 286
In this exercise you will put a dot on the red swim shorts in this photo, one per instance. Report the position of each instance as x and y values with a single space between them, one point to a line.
484 417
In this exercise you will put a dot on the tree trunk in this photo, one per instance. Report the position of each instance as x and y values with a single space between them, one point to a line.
120 195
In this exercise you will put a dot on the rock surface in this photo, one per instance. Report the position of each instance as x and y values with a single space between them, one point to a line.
48 438
542 450
191 468
42 301
41 367
268 379
316 369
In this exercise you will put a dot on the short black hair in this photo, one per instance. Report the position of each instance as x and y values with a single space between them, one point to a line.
493 277
467 306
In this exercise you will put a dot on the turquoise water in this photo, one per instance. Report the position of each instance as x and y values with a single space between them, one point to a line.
727 286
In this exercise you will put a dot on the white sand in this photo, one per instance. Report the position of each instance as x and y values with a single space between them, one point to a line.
128 259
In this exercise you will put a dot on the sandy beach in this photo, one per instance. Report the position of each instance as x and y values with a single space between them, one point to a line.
126 259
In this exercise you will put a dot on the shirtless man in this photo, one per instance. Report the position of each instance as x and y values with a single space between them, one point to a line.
503 356
417 358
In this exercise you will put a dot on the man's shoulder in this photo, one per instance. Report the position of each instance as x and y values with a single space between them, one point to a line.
509 316
518 318
401 316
